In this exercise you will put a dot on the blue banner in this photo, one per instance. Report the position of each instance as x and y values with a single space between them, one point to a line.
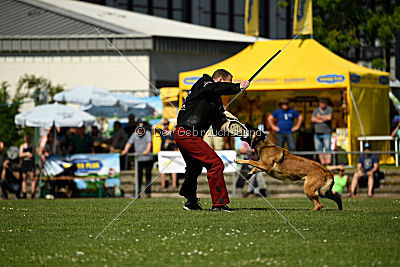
86 170
83 165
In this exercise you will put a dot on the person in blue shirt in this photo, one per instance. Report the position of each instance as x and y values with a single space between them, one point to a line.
285 117
367 165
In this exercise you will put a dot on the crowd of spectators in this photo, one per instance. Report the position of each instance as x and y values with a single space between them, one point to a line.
136 137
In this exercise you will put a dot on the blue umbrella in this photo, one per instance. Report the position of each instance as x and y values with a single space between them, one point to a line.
153 101
138 109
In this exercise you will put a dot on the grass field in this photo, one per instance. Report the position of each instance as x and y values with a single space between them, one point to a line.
159 232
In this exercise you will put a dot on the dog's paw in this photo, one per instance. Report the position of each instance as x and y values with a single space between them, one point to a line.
239 161
255 170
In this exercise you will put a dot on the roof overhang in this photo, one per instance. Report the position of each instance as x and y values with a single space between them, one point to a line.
125 43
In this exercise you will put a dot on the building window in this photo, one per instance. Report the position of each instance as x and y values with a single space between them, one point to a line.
239 16
160 8
177 10
139 6
222 14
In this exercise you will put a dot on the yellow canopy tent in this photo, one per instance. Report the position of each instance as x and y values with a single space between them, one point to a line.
307 68
169 97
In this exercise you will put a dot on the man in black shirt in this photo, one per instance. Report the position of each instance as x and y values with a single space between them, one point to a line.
203 108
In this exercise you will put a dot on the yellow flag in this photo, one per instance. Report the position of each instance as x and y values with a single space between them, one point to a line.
302 19
251 18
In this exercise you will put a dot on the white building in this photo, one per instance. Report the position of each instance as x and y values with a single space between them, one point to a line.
56 39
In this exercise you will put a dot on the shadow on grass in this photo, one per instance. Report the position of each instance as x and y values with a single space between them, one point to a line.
284 209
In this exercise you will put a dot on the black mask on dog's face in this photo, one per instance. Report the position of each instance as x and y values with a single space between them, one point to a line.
255 136
259 137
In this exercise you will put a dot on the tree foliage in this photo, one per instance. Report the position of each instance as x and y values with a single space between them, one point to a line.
28 85
345 26
28 88
9 107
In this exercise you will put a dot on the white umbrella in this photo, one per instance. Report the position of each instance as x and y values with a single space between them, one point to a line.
87 95
54 114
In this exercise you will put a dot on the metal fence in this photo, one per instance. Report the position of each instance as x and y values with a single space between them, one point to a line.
299 153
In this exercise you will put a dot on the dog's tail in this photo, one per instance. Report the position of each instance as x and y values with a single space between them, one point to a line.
326 191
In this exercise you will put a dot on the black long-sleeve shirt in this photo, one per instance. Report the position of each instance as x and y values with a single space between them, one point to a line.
203 106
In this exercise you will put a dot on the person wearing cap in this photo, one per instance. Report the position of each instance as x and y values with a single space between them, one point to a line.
341 180
285 117
322 119
367 165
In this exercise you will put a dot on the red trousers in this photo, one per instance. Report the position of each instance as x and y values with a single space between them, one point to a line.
198 154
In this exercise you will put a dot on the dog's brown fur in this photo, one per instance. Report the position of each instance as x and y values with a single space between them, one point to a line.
280 164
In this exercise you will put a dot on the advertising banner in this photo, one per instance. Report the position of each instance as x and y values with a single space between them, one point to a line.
251 18
86 170
302 19
172 161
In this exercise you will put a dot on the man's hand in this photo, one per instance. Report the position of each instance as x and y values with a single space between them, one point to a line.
244 84
316 120
275 128
295 128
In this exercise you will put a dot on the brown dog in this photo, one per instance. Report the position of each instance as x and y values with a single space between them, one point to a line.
282 165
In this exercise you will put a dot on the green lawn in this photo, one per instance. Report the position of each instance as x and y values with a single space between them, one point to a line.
158 232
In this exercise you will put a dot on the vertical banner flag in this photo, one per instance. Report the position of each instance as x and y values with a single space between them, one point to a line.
302 19
251 18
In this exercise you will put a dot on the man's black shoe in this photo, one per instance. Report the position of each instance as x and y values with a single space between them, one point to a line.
192 205
221 208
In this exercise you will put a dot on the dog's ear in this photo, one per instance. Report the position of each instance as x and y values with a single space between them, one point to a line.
249 126
262 135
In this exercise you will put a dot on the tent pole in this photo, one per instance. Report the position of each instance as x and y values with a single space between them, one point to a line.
356 109
54 138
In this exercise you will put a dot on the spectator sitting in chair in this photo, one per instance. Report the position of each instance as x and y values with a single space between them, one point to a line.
367 165
256 183
10 180
341 180
49 148
96 134
81 142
